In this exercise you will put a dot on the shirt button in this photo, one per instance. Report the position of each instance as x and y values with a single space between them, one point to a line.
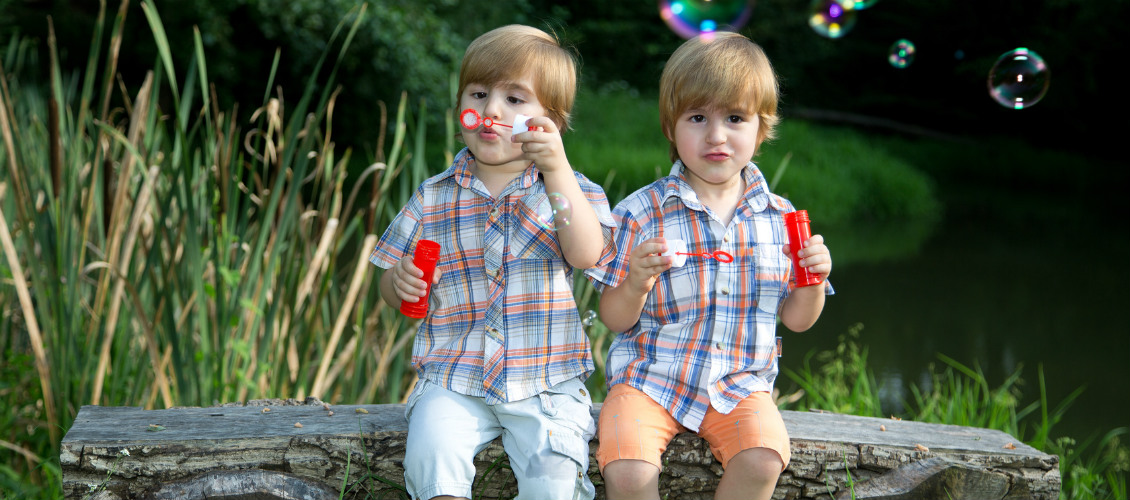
726 238
582 391
493 213
725 290
718 345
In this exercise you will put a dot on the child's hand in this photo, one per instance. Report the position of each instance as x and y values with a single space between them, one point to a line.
646 263
407 280
542 145
814 256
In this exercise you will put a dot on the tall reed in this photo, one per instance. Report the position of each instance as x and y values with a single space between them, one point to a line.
159 250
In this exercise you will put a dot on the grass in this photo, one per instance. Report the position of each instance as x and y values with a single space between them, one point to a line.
159 250
840 381
184 259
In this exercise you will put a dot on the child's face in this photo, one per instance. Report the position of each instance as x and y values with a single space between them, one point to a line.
715 144
500 102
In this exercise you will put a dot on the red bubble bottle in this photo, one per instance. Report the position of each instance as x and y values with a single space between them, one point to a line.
427 253
797 225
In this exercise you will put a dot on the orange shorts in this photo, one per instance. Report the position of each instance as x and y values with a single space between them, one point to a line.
633 426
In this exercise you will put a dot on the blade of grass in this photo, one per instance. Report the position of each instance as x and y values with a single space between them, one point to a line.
120 231
34 335
359 274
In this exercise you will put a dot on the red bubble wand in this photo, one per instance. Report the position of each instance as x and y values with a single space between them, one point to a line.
677 249
470 119
717 255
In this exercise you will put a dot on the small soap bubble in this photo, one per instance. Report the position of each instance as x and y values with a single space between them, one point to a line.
589 318
690 18
901 53
555 212
469 118
1019 79
829 18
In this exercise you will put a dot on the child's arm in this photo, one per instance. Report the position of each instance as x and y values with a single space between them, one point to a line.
804 304
620 307
581 240
404 283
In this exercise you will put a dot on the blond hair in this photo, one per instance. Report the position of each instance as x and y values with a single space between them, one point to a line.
720 70
511 52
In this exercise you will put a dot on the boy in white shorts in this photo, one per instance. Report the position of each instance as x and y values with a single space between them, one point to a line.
502 351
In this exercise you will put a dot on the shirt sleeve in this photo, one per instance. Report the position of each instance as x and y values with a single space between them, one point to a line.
612 272
401 234
599 202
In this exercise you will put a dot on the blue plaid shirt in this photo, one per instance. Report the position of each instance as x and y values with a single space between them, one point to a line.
502 323
707 333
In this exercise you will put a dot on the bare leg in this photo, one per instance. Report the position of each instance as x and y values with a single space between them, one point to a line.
751 474
631 480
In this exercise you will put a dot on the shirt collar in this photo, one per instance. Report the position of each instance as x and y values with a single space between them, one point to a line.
460 171
757 196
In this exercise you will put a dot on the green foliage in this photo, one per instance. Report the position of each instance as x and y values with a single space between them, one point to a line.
848 176
185 260
619 42
959 395
840 381
1094 468
621 154
400 46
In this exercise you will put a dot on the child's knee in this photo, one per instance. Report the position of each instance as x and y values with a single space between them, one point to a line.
622 477
762 464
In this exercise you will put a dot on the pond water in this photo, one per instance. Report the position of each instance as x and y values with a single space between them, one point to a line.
1004 282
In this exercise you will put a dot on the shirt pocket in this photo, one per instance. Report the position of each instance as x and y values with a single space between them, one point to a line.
771 276
532 235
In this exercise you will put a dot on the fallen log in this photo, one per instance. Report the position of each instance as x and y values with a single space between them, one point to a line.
290 450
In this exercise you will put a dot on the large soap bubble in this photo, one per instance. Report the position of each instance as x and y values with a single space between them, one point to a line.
690 18
1019 79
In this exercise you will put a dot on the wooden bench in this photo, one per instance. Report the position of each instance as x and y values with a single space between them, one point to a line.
273 449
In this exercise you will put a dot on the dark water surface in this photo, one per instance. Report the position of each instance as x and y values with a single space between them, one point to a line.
1003 283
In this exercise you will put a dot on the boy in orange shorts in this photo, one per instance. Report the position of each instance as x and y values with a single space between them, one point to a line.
698 349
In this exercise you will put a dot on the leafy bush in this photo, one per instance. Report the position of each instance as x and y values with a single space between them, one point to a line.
401 46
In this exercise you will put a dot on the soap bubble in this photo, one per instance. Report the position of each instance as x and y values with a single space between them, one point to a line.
469 119
1019 79
690 18
901 53
857 4
829 18
588 318
555 212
